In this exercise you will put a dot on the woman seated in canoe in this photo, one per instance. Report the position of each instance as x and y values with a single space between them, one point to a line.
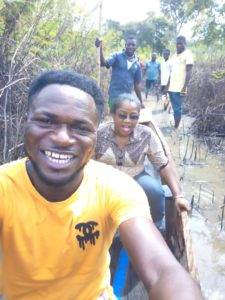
125 144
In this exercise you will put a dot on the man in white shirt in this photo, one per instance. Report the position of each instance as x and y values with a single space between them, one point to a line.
166 67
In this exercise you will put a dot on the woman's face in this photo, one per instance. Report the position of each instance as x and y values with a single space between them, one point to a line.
125 118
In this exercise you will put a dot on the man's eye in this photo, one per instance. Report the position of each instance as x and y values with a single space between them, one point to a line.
82 130
46 121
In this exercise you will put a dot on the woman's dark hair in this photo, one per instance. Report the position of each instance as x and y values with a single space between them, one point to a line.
66 77
124 97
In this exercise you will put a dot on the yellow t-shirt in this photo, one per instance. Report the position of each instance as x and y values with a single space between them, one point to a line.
178 74
59 251
0 272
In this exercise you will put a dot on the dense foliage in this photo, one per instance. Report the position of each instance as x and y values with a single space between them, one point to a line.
34 36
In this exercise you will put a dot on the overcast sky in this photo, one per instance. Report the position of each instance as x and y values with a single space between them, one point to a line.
125 11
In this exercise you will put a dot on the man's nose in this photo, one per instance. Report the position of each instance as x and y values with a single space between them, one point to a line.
62 135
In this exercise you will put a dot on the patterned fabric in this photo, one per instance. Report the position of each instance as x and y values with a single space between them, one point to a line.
130 159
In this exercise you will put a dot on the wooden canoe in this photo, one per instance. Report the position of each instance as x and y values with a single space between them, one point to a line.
126 283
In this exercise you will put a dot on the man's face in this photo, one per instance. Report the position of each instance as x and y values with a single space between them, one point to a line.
60 134
166 55
180 45
130 47
154 56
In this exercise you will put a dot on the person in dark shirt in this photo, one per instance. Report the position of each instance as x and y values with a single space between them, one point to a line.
126 70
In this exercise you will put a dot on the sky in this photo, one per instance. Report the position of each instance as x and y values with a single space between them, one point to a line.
125 11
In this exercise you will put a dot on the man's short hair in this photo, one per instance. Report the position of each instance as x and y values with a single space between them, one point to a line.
131 37
181 39
166 50
67 77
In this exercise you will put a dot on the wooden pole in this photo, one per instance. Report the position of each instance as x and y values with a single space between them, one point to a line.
98 49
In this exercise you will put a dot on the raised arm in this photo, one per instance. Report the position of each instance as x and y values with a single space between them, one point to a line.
163 277
98 44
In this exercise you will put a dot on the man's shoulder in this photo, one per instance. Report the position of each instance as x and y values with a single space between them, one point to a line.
13 166
118 54
113 58
189 57
13 173
187 51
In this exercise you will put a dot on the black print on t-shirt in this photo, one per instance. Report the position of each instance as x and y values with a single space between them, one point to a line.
89 233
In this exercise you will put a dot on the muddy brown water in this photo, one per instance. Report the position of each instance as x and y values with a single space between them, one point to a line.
202 177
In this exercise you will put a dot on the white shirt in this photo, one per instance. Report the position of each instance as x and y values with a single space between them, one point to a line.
166 67
129 64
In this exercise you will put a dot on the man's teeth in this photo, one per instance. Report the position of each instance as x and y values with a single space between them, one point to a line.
58 158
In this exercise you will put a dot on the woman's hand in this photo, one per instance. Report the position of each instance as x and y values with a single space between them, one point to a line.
181 204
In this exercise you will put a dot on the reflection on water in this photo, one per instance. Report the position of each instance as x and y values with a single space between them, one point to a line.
203 179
